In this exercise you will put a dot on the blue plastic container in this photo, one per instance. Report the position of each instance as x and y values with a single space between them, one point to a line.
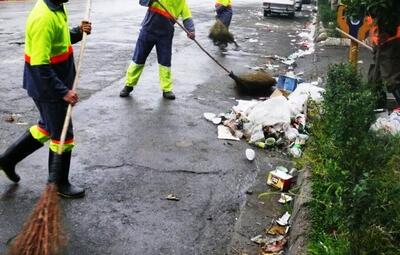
287 83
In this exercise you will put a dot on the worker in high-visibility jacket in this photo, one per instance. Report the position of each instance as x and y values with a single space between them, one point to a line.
158 30
223 8
385 69
49 74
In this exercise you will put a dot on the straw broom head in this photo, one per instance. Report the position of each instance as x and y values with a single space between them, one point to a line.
42 233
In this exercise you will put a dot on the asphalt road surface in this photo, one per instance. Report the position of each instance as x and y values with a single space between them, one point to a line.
132 152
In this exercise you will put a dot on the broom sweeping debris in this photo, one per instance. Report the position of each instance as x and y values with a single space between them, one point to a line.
42 234
220 34
250 83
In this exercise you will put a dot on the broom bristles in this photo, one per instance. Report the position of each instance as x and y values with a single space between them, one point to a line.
257 83
219 33
42 233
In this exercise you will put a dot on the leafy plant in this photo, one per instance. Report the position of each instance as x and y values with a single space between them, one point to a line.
356 204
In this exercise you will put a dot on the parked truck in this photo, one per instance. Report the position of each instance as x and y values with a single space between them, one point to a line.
288 7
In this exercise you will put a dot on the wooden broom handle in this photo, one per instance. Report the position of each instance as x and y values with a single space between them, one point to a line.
76 81
355 39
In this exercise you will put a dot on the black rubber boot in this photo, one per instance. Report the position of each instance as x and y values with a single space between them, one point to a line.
58 174
169 95
125 91
23 147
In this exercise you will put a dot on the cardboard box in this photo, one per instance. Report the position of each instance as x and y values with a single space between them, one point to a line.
279 180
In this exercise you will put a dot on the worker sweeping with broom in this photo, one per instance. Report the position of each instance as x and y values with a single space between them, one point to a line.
158 30
219 32
49 74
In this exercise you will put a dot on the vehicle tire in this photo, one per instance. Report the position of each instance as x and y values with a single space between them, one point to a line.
291 15
266 13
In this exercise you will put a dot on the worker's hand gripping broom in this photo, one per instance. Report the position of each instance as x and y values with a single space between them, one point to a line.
42 234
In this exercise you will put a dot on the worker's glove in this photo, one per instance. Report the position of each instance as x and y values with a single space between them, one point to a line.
191 35
86 27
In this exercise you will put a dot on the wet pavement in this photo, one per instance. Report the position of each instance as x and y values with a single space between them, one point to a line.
132 152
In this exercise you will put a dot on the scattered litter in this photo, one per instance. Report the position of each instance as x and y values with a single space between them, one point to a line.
9 119
277 230
285 199
287 83
279 180
293 171
217 120
284 220
172 197
250 154
390 124
360 62
274 247
296 151
257 239
225 134
255 68
270 142
282 169
253 40
209 116
22 123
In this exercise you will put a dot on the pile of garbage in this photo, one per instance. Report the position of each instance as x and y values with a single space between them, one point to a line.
390 124
277 122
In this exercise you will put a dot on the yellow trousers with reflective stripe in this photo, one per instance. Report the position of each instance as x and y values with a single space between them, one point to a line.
43 136
135 71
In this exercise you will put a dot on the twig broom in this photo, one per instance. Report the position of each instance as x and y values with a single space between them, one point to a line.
42 234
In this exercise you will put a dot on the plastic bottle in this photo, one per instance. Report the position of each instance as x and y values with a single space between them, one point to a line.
296 151
261 145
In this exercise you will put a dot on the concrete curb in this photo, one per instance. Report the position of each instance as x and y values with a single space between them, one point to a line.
298 236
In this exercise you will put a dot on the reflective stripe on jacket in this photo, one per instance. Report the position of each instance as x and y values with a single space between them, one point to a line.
177 8
158 22
47 36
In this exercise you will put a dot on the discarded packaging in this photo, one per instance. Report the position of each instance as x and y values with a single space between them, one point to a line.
225 134
284 220
285 199
9 119
217 121
301 139
257 239
275 247
172 197
296 151
277 230
282 169
270 142
261 145
250 154
279 180
287 83
209 116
